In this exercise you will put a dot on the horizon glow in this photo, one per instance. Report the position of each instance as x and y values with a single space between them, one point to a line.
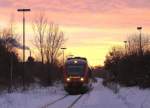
91 27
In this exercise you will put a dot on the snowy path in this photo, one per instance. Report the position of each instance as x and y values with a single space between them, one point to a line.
99 97
102 97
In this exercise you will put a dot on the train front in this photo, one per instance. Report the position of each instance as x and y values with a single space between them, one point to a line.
76 75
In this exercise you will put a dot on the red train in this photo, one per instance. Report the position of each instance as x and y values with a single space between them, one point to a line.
77 75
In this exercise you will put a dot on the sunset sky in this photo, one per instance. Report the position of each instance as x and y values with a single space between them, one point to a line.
91 27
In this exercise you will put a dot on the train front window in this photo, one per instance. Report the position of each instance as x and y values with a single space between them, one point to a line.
75 70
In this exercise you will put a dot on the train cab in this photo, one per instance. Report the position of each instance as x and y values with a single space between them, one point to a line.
76 74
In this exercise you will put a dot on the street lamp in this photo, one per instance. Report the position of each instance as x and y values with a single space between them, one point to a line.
30 53
129 45
23 11
63 49
125 44
140 39
11 72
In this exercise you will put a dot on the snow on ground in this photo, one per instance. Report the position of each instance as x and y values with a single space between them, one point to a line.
99 97
133 97
34 98
127 97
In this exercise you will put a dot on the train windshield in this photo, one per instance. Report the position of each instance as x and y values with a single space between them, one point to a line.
75 70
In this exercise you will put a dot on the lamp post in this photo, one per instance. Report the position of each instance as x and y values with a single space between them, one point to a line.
11 73
23 10
129 45
125 44
63 49
30 53
140 39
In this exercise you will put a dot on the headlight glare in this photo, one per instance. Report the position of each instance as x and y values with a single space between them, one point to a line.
68 79
82 79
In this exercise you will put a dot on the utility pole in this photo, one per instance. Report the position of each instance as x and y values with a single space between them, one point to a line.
140 39
23 11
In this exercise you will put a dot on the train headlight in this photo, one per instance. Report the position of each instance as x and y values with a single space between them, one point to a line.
75 62
82 79
68 79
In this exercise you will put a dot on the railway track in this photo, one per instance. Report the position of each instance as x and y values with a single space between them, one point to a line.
49 105
75 101
55 101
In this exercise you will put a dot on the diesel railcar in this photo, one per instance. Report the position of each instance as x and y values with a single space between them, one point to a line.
76 75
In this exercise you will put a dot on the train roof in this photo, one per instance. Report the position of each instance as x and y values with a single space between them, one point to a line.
81 58
76 60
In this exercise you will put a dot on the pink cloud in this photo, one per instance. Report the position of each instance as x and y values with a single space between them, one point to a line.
114 18
77 5
90 13
137 3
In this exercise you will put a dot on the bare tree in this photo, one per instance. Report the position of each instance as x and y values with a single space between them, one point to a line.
39 27
9 36
9 43
134 44
54 41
